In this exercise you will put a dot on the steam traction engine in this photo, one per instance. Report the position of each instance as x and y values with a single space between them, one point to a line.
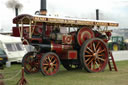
76 43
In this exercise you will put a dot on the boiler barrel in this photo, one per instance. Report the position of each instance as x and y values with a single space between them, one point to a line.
55 47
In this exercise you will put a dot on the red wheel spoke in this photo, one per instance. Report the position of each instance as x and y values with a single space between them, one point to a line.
87 52
91 65
48 70
30 69
90 49
94 64
45 64
53 68
54 65
91 60
98 60
101 59
52 58
88 56
87 59
46 61
101 51
54 61
94 47
37 67
101 55
49 59
97 64
97 45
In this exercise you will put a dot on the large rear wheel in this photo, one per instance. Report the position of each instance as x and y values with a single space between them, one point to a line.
50 64
94 55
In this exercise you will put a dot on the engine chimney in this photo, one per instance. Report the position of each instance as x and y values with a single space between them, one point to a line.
43 10
16 11
97 14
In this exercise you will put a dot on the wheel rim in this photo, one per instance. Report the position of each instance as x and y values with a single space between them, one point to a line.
50 64
115 47
31 63
95 55
84 34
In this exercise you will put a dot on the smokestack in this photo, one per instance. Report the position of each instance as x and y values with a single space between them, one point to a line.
16 11
15 5
97 14
43 10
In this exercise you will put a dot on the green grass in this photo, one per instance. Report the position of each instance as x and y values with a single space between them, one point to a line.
77 77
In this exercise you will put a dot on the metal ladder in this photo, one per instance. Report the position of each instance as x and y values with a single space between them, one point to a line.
111 62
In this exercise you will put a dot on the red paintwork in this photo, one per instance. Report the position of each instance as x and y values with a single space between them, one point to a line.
72 54
60 48
108 34
48 30
69 54
67 39
105 40
15 32
36 40
84 34
35 33
19 17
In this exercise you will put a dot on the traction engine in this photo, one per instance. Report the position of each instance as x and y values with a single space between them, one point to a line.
74 43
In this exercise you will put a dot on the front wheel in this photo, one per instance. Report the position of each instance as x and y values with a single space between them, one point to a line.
31 63
94 55
50 64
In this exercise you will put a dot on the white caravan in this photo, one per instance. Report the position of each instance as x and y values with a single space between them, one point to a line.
13 48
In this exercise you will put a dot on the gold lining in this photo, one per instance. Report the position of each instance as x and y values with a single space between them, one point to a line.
51 46
74 21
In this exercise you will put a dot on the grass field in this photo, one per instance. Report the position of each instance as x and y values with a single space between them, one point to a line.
77 77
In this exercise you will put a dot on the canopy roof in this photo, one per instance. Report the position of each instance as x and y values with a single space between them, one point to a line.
26 19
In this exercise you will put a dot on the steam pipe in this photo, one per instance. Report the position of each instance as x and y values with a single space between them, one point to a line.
52 47
44 30
43 11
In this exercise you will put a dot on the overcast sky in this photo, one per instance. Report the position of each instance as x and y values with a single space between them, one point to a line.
113 10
